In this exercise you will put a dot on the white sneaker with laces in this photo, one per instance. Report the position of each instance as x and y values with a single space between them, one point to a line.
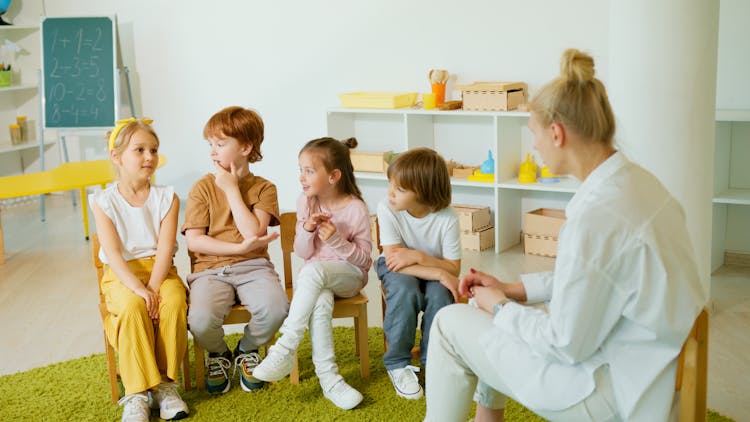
168 401
406 383
135 408
343 395
277 364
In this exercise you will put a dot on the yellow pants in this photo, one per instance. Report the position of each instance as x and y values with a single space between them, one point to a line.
146 352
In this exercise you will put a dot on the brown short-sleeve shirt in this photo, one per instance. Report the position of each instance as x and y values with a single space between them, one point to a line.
207 208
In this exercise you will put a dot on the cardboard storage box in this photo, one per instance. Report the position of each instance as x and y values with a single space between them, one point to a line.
493 96
472 218
464 171
478 240
371 161
540 230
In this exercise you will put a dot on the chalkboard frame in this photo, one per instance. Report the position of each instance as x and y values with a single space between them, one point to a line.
114 106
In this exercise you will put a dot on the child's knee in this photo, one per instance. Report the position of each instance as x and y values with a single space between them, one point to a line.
324 304
173 304
403 291
132 305
439 298
203 319
276 314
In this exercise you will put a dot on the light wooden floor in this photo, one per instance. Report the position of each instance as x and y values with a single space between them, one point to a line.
48 300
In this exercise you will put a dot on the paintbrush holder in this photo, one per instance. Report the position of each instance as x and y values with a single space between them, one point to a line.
5 77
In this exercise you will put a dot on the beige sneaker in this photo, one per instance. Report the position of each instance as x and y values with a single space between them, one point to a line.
135 408
170 404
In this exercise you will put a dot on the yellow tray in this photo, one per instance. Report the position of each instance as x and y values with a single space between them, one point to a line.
378 99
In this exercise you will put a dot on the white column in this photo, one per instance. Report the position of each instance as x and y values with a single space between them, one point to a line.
662 86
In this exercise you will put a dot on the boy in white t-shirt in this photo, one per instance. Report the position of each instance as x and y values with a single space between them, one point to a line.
421 258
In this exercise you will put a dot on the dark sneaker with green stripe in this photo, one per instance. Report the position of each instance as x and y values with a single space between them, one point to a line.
217 378
246 363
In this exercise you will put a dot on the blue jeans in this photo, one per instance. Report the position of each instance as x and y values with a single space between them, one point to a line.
405 297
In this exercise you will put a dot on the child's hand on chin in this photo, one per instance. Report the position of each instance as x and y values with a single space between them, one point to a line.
226 179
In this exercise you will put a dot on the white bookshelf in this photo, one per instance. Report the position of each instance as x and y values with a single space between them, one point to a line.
463 136
21 97
731 214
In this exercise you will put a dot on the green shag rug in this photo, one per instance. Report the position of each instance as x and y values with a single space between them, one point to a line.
78 390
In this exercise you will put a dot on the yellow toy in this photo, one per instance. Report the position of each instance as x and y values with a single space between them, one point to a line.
486 173
527 171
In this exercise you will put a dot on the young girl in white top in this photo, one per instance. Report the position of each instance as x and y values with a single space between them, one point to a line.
137 224
333 236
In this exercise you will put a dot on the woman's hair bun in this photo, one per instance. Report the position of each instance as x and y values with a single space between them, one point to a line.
350 142
576 66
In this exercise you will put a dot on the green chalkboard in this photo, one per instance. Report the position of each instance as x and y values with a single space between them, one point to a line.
78 72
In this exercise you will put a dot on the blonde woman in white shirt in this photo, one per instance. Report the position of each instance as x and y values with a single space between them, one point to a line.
621 300
137 226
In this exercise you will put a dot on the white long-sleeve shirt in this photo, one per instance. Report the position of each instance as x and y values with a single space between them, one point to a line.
625 292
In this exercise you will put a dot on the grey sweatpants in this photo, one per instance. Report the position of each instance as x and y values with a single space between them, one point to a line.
255 285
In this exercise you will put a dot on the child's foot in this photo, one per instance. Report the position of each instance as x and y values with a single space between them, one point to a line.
277 364
135 408
343 395
246 362
406 383
217 379
168 401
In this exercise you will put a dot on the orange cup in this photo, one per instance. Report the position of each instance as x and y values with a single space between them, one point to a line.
439 91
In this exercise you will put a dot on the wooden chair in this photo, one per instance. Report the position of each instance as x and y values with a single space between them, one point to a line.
692 372
109 350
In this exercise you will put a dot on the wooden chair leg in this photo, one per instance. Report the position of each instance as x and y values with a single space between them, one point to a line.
112 369
200 367
361 339
294 375
187 385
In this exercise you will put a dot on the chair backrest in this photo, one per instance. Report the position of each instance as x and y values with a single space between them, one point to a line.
692 371
375 229
97 263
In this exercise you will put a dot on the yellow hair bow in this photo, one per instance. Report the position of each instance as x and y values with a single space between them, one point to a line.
121 124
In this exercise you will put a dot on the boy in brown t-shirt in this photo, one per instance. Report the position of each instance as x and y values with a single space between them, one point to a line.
226 220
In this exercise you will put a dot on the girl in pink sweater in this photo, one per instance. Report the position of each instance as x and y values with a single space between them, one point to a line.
333 237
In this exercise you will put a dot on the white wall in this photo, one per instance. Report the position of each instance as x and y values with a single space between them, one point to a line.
290 59
733 70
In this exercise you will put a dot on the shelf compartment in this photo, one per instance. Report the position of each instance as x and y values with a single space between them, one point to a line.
21 87
731 115
733 196
6 146
565 185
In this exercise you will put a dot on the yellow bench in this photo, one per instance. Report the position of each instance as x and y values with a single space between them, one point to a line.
68 176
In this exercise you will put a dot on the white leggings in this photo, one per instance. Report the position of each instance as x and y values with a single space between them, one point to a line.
455 358
312 303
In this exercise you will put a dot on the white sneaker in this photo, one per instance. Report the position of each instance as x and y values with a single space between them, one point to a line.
343 395
406 383
168 401
277 364
135 408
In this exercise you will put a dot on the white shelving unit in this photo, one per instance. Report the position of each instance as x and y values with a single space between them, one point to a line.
21 97
464 136
731 214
